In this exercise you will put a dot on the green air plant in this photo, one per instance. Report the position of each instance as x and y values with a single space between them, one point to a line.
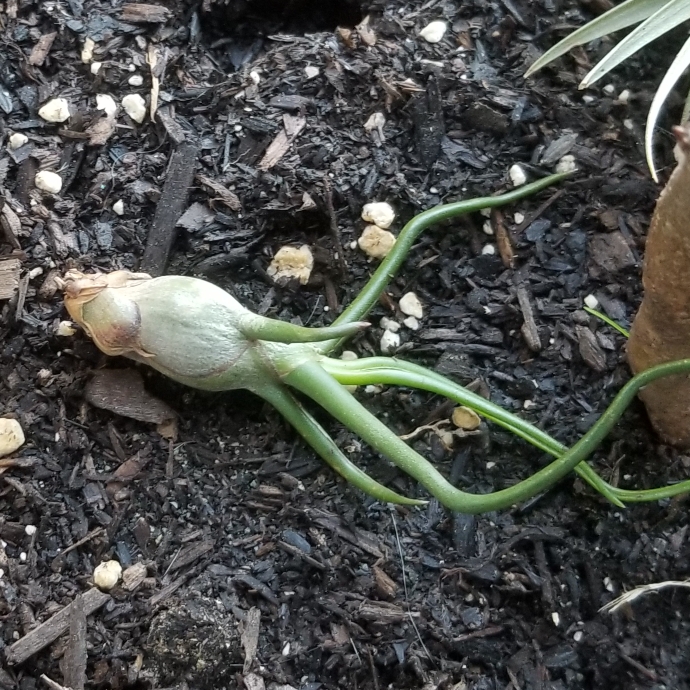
197 334
655 18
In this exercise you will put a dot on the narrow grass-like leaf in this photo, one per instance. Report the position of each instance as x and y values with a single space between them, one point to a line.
620 17
606 319
675 71
671 15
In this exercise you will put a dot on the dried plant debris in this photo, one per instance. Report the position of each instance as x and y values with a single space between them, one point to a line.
122 391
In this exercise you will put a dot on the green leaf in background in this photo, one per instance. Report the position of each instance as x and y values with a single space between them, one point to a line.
657 18
620 17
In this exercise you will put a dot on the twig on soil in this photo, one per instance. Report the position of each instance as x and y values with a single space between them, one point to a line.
60 558
46 633
529 329
250 637
633 594
52 684
173 199
404 579
533 216
333 222
74 672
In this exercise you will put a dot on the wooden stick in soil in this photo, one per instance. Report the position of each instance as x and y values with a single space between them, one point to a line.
173 199
46 633
661 329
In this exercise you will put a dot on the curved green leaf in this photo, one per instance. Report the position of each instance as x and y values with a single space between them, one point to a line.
671 15
624 15
675 71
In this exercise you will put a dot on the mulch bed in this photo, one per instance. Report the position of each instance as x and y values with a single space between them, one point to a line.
247 562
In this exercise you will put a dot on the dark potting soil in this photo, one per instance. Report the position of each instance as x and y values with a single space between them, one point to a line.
247 562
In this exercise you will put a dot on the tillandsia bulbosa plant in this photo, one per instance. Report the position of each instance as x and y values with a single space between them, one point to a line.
655 19
199 335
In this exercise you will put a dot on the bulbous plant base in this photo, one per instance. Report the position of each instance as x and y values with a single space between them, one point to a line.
661 330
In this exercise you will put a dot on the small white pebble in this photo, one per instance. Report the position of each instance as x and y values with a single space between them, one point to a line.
87 50
106 103
528 404
135 107
11 436
286 649
379 213
609 584
389 342
107 575
119 207
411 323
48 181
2 572
30 530
65 329
255 77
136 80
353 244
292 263
609 89
488 228
17 140
624 97
488 249
310 72
389 325
376 121
372 390
434 32
591 301
35 272
628 124
490 465
517 175
578 635
348 356
518 218
588 98
556 619
55 110
411 306
566 164
22 556
376 242
96 67
486 212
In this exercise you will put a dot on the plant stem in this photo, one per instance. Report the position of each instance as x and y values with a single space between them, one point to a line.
315 382
257 327
366 299
393 371
383 370
315 435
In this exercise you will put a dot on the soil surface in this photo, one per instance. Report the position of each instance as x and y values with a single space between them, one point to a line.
248 563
